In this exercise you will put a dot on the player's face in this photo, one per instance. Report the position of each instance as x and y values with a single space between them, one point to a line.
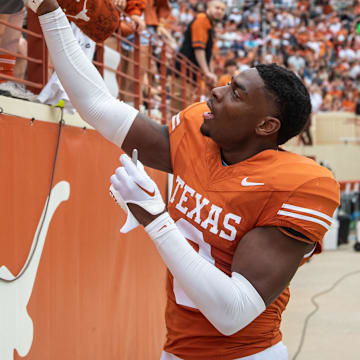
236 110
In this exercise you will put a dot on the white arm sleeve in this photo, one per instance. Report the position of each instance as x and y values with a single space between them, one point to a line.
229 303
83 83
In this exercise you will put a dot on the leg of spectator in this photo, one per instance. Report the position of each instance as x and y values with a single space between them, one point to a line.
10 42
3 17
10 38
20 66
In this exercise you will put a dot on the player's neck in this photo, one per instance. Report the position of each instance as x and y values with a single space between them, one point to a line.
231 157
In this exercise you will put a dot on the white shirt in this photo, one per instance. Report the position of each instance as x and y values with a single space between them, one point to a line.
316 101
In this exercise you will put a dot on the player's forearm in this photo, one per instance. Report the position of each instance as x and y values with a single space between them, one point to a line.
229 303
82 82
201 59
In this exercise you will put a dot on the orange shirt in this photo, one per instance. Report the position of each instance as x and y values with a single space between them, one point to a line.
135 7
156 10
303 5
224 80
348 105
337 93
328 9
200 28
322 49
198 35
214 211
303 38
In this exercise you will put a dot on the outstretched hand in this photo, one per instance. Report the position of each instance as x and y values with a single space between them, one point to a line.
210 79
138 191
138 23
41 7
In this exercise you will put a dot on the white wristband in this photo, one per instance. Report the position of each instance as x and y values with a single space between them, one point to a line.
33 4
158 227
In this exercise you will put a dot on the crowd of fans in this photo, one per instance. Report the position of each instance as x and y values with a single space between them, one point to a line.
318 39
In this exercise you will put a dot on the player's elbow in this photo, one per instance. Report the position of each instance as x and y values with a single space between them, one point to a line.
238 309
228 326
229 331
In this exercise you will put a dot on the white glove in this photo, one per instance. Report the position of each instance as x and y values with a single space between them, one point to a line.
131 223
33 4
132 184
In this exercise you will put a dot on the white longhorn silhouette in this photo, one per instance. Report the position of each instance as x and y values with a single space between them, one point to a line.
16 326
82 14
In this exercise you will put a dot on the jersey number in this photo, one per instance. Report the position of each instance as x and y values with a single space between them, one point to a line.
191 233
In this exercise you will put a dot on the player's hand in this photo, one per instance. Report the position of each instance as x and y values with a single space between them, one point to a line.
134 186
131 223
41 7
139 23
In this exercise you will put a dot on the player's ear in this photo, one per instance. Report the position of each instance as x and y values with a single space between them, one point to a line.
268 126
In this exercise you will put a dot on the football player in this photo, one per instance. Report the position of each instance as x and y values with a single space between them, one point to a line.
243 214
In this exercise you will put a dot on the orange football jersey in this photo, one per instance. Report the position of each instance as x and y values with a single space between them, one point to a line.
215 206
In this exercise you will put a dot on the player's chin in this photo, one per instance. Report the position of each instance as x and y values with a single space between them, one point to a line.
204 129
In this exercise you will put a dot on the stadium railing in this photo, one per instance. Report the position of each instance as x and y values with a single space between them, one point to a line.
154 83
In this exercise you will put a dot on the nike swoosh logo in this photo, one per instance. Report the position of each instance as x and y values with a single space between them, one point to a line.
152 194
245 182
163 227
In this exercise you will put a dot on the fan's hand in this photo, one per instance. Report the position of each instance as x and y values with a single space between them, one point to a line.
33 4
121 4
138 23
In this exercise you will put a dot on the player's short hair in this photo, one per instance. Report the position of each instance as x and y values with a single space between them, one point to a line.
290 96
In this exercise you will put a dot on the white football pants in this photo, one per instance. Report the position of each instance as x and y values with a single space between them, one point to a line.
275 352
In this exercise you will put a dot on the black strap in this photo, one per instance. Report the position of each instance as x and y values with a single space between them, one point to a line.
295 233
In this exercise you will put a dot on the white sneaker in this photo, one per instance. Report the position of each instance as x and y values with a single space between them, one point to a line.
16 90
